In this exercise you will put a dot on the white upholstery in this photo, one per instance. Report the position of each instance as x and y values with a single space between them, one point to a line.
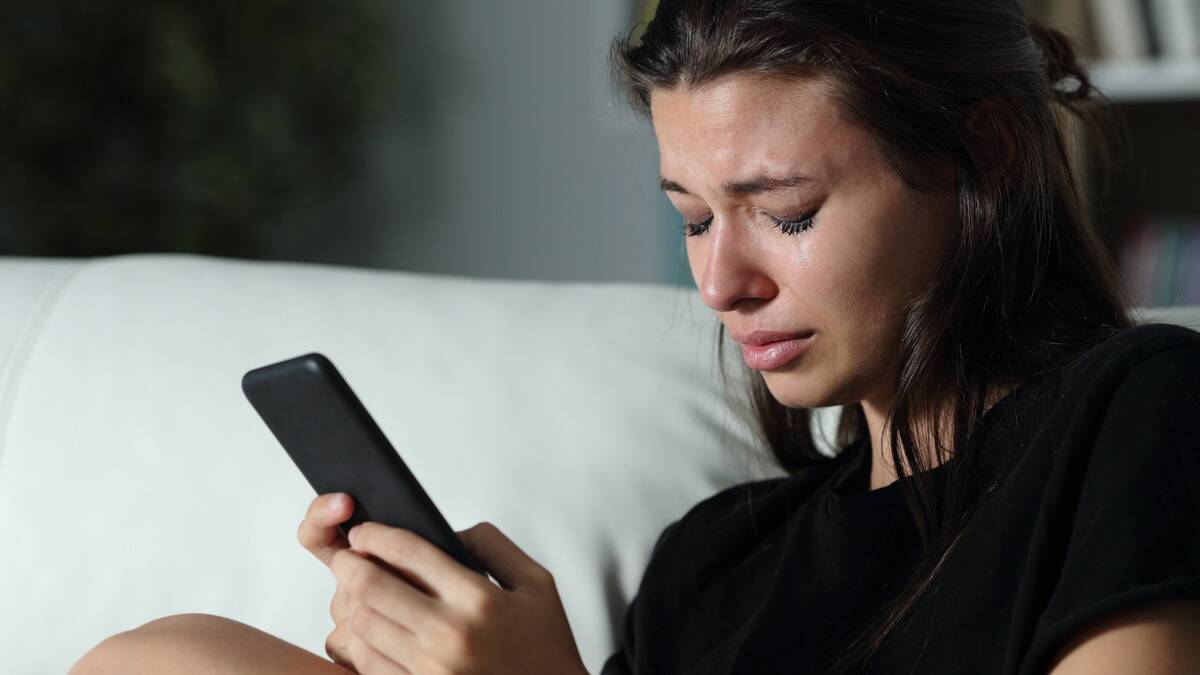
136 481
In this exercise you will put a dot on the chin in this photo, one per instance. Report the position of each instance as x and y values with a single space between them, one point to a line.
790 391
802 388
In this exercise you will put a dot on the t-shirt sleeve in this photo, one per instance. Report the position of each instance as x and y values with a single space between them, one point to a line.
622 662
1129 515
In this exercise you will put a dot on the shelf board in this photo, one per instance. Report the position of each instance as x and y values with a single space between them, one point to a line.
1147 80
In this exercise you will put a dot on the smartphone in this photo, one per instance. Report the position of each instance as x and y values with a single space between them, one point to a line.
338 447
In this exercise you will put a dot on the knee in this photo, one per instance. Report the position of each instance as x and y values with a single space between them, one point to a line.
133 650
189 622
109 657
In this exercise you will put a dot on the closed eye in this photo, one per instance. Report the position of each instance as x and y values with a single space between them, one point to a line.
791 227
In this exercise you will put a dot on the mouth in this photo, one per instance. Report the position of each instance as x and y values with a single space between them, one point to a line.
772 354
760 338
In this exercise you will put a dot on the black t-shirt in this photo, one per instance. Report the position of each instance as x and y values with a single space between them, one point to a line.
1099 513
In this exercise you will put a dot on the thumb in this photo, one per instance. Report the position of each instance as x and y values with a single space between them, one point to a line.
504 559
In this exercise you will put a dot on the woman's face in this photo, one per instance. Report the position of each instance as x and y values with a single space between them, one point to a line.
855 244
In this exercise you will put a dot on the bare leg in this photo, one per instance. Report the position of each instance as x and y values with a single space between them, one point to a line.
200 644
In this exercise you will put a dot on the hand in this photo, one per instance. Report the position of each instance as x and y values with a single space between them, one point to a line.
414 610
319 534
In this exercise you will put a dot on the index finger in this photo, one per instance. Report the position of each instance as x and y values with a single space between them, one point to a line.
418 560
319 531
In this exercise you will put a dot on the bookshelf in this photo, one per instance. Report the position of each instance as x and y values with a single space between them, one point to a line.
1144 55
1147 80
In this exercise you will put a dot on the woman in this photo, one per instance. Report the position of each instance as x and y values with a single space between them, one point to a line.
878 206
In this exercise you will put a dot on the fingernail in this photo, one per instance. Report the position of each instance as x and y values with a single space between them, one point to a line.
352 534
336 502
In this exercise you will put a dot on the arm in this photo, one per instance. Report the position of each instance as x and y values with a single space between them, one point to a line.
1160 638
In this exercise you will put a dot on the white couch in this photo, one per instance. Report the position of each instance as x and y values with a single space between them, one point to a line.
136 481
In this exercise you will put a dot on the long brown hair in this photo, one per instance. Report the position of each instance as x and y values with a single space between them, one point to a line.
1027 284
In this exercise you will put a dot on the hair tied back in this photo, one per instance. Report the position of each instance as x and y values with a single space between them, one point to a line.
1061 62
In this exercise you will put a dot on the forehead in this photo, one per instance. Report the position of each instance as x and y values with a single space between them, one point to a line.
744 124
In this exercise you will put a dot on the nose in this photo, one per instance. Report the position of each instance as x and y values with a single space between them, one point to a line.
733 271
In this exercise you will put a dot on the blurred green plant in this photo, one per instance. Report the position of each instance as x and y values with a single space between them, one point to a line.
169 125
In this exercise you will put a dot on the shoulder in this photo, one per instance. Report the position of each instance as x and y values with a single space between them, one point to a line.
1141 357
1161 360
1135 394
1117 505
1147 359
1143 347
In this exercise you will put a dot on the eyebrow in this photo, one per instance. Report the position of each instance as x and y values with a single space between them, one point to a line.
752 186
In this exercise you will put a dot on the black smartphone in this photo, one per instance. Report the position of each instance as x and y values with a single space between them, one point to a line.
339 448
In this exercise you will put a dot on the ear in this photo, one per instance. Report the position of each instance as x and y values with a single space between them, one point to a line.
992 140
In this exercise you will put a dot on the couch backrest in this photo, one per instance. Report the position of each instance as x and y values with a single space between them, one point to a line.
136 481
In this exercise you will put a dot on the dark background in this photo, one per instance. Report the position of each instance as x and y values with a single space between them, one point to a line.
457 136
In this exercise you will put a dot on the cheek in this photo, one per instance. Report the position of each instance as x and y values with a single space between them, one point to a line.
697 256
880 268
855 286
840 279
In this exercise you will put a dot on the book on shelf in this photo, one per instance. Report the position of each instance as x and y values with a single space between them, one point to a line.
1178 30
1120 30
1160 263
1131 30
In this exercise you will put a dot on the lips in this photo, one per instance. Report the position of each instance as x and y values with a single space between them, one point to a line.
763 337
760 352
